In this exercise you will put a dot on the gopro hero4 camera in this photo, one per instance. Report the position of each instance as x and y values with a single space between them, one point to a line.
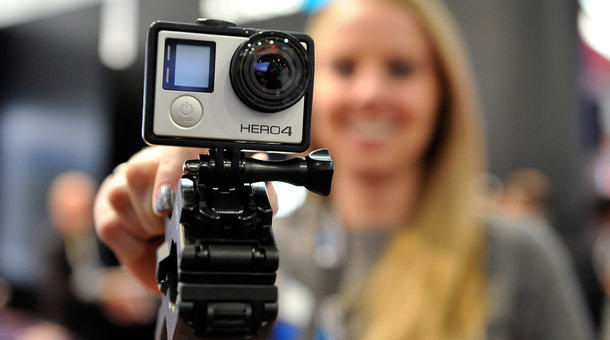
214 84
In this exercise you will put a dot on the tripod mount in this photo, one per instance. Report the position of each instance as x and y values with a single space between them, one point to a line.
217 266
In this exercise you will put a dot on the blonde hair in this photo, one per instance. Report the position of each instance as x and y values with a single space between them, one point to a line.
431 282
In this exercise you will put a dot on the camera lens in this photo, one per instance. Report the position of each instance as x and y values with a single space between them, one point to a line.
271 71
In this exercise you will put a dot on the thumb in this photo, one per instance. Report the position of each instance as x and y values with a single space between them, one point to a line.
168 173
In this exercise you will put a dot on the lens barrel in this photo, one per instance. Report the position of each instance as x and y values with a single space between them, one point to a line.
271 71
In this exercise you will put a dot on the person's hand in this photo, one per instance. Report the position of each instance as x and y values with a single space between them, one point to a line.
132 201
124 301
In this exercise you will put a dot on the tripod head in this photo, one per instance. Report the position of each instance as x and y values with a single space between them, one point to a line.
314 172
217 266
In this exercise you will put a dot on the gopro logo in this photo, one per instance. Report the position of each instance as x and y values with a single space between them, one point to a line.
266 129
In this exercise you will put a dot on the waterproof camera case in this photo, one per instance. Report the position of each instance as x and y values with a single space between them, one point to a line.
219 85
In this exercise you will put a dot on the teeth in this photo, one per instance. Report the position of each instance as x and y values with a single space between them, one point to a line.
374 130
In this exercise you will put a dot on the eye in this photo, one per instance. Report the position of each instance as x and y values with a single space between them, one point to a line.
344 67
400 68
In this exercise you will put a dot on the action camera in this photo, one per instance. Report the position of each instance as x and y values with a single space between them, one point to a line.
213 84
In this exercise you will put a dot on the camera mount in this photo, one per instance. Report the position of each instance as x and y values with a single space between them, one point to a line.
217 266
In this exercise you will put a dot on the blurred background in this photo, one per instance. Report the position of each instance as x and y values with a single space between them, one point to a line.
70 110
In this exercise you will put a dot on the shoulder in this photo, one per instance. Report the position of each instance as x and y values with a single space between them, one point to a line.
527 242
529 256
525 257
533 283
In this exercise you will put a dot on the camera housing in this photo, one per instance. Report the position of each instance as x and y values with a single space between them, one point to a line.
213 84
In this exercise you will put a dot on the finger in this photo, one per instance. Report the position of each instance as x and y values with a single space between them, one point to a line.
143 267
138 256
117 193
140 174
168 173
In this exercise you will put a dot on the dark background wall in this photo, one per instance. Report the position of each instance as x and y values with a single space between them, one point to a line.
525 58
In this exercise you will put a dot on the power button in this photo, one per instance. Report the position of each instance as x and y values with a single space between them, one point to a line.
186 111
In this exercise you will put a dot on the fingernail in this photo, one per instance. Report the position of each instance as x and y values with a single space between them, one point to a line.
165 199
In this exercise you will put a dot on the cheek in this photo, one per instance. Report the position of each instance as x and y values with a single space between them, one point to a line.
420 103
326 99
423 103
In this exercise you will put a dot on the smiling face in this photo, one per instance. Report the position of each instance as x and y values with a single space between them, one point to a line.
377 91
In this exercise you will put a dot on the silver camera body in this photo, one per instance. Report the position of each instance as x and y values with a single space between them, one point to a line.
213 84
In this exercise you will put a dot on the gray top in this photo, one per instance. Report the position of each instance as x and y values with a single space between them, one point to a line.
534 294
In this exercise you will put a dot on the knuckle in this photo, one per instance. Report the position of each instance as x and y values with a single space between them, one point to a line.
104 186
138 174
119 199
109 231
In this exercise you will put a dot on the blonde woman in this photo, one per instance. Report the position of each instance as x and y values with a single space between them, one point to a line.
398 250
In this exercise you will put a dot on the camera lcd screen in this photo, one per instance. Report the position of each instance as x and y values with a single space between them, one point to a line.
189 65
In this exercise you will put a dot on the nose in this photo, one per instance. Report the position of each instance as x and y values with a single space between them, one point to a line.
370 88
